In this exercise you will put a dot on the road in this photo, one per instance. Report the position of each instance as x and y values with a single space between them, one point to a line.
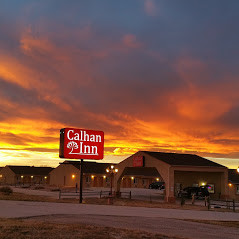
156 220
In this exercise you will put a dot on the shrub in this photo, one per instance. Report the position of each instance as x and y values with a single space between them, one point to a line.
6 190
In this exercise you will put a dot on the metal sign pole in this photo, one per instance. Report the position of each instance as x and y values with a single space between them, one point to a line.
81 180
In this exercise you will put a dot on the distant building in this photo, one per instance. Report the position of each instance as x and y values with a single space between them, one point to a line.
233 183
12 175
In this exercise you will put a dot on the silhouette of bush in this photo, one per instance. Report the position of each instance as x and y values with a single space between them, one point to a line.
6 190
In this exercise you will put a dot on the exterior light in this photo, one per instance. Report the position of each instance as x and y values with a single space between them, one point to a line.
0 175
92 176
104 176
238 169
229 184
112 166
31 176
107 170
73 175
116 170
45 177
22 176
203 184
157 179
132 178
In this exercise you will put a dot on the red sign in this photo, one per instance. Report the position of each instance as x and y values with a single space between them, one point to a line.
138 161
81 144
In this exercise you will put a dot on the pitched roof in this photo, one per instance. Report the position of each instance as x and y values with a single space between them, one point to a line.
233 176
90 167
183 159
138 171
30 170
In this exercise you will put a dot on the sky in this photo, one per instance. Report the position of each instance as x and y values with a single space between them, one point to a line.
154 75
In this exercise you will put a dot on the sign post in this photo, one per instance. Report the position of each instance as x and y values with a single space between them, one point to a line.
81 144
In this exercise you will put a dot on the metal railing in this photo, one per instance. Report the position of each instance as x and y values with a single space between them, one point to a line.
227 204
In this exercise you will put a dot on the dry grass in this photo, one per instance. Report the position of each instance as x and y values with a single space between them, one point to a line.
138 203
16 228
103 201
219 223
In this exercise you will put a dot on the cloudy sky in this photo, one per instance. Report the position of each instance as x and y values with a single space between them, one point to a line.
153 75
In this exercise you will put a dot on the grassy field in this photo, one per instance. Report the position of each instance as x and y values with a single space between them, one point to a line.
20 229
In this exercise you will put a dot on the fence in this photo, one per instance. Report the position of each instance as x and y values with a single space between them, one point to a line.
227 204
101 194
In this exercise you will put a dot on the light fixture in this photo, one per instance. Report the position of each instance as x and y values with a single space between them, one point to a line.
73 175
22 176
45 177
92 176
229 184
132 178
157 179
238 169
203 184
112 166
31 176
104 176
107 170
116 170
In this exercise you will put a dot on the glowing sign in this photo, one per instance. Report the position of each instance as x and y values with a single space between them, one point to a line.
81 144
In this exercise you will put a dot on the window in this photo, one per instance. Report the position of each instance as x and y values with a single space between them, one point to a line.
136 180
87 179
237 189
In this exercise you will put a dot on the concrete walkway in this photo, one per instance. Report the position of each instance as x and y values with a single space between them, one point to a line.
16 209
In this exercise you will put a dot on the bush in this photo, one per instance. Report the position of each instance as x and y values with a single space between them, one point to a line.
6 190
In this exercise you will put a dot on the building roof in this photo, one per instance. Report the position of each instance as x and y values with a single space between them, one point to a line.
183 159
90 167
233 176
139 171
30 170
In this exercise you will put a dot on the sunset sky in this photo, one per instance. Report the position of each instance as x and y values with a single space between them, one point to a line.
153 75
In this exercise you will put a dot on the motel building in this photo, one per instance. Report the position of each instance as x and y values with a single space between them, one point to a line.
67 174
22 175
177 171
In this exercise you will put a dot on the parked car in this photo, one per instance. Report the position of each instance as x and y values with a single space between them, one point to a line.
157 185
199 192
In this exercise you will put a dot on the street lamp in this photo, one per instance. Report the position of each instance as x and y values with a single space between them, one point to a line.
111 170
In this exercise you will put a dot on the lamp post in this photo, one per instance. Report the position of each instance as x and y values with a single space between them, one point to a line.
111 170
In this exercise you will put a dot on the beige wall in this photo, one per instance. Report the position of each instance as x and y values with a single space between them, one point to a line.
62 177
233 194
8 177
